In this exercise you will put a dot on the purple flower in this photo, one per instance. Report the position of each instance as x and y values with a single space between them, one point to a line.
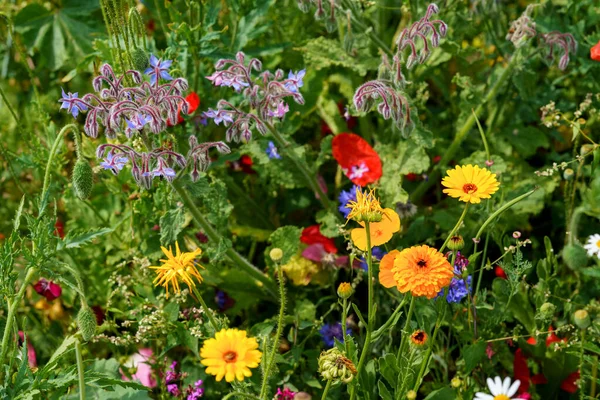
162 170
316 252
173 389
272 151
344 198
229 79
194 393
115 164
377 254
72 103
158 68
219 116
138 121
330 332
282 109
458 287
48 289
294 81
285 394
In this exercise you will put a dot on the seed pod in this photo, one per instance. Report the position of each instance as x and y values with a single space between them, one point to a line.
83 179
581 318
86 321
547 310
140 59
575 256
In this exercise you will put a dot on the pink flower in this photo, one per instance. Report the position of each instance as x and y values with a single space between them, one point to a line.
31 357
142 360
317 253
285 394
48 289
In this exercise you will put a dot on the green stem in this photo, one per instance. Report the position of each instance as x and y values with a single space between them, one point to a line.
10 108
485 248
324 396
405 333
240 394
160 19
425 361
80 370
464 131
370 316
10 319
207 310
311 180
214 236
483 139
344 318
271 360
573 224
52 153
460 220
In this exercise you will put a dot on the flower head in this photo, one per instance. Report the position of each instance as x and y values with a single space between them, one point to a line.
501 390
300 270
366 207
230 354
421 270
470 183
138 121
330 332
595 52
158 68
114 163
272 151
593 245
72 103
196 391
48 289
175 267
294 81
356 157
335 366
419 338
380 232
312 235
285 394
142 361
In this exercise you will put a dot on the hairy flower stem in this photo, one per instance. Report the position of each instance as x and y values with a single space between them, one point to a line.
344 317
10 319
405 332
371 313
271 360
262 280
466 128
310 178
365 29
53 150
427 357
327 386
207 310
458 223
80 370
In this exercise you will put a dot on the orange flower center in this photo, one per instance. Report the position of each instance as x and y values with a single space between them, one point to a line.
502 397
469 188
422 263
230 357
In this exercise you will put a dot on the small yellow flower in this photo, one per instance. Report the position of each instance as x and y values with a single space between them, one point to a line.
470 183
381 232
365 208
230 354
179 266
302 271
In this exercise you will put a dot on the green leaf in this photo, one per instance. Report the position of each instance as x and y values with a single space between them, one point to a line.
473 355
384 393
445 393
171 225
330 222
67 345
324 53
171 311
287 238
76 238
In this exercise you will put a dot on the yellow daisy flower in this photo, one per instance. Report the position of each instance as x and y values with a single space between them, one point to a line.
365 208
175 267
470 183
230 354
381 232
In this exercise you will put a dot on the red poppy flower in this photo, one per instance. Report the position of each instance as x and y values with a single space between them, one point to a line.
500 272
595 52
193 103
358 160
570 383
48 289
244 164
313 235
59 229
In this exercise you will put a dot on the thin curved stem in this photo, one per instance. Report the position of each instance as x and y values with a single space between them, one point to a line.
324 396
411 308
460 220
53 149
207 310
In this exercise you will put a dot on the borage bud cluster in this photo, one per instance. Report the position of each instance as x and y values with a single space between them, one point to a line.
334 366
264 94
324 11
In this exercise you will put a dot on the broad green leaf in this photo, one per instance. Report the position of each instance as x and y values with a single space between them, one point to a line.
474 355
171 225
287 238
77 238
324 53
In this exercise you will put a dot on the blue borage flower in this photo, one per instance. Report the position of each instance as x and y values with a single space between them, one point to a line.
345 197
114 163
295 81
272 151
72 103
330 332
158 68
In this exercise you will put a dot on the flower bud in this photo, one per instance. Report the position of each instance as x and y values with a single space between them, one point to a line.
276 254
345 290
419 338
575 256
568 174
83 179
140 59
547 310
334 366
581 318
411 395
456 243
456 382
86 321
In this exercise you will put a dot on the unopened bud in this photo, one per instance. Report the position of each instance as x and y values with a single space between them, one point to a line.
411 395
335 366
568 174
581 318
140 59
83 179
575 256
456 243
456 382
276 254
547 310
86 322
345 290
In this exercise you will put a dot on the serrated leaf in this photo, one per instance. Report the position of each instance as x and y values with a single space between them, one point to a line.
473 355
75 239
323 53
171 225
287 238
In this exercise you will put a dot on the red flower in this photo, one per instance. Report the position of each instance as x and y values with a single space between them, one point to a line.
570 383
193 103
595 52
59 229
358 160
313 235
500 272
48 289
244 164
411 177
437 159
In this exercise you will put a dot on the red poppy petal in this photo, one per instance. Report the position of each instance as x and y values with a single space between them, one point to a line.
312 235
521 371
595 52
570 383
351 150
539 379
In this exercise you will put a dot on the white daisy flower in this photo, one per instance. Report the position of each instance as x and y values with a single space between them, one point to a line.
593 245
500 390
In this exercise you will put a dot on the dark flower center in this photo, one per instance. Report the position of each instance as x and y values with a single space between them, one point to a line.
422 263
469 188
419 336
230 356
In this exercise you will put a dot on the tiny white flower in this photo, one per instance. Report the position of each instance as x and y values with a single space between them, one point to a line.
593 245
501 390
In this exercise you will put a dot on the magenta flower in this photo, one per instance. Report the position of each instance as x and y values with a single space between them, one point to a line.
31 357
316 252
285 394
48 289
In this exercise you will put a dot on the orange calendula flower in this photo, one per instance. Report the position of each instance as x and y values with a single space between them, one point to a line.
418 338
230 354
381 232
175 267
421 270
470 183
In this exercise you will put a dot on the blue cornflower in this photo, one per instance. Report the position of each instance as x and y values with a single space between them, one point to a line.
294 81
72 103
329 332
158 68
457 289
272 151
115 164
377 254
344 198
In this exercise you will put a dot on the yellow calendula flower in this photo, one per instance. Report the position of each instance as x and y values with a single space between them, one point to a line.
230 354
381 232
470 183
365 208
181 266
